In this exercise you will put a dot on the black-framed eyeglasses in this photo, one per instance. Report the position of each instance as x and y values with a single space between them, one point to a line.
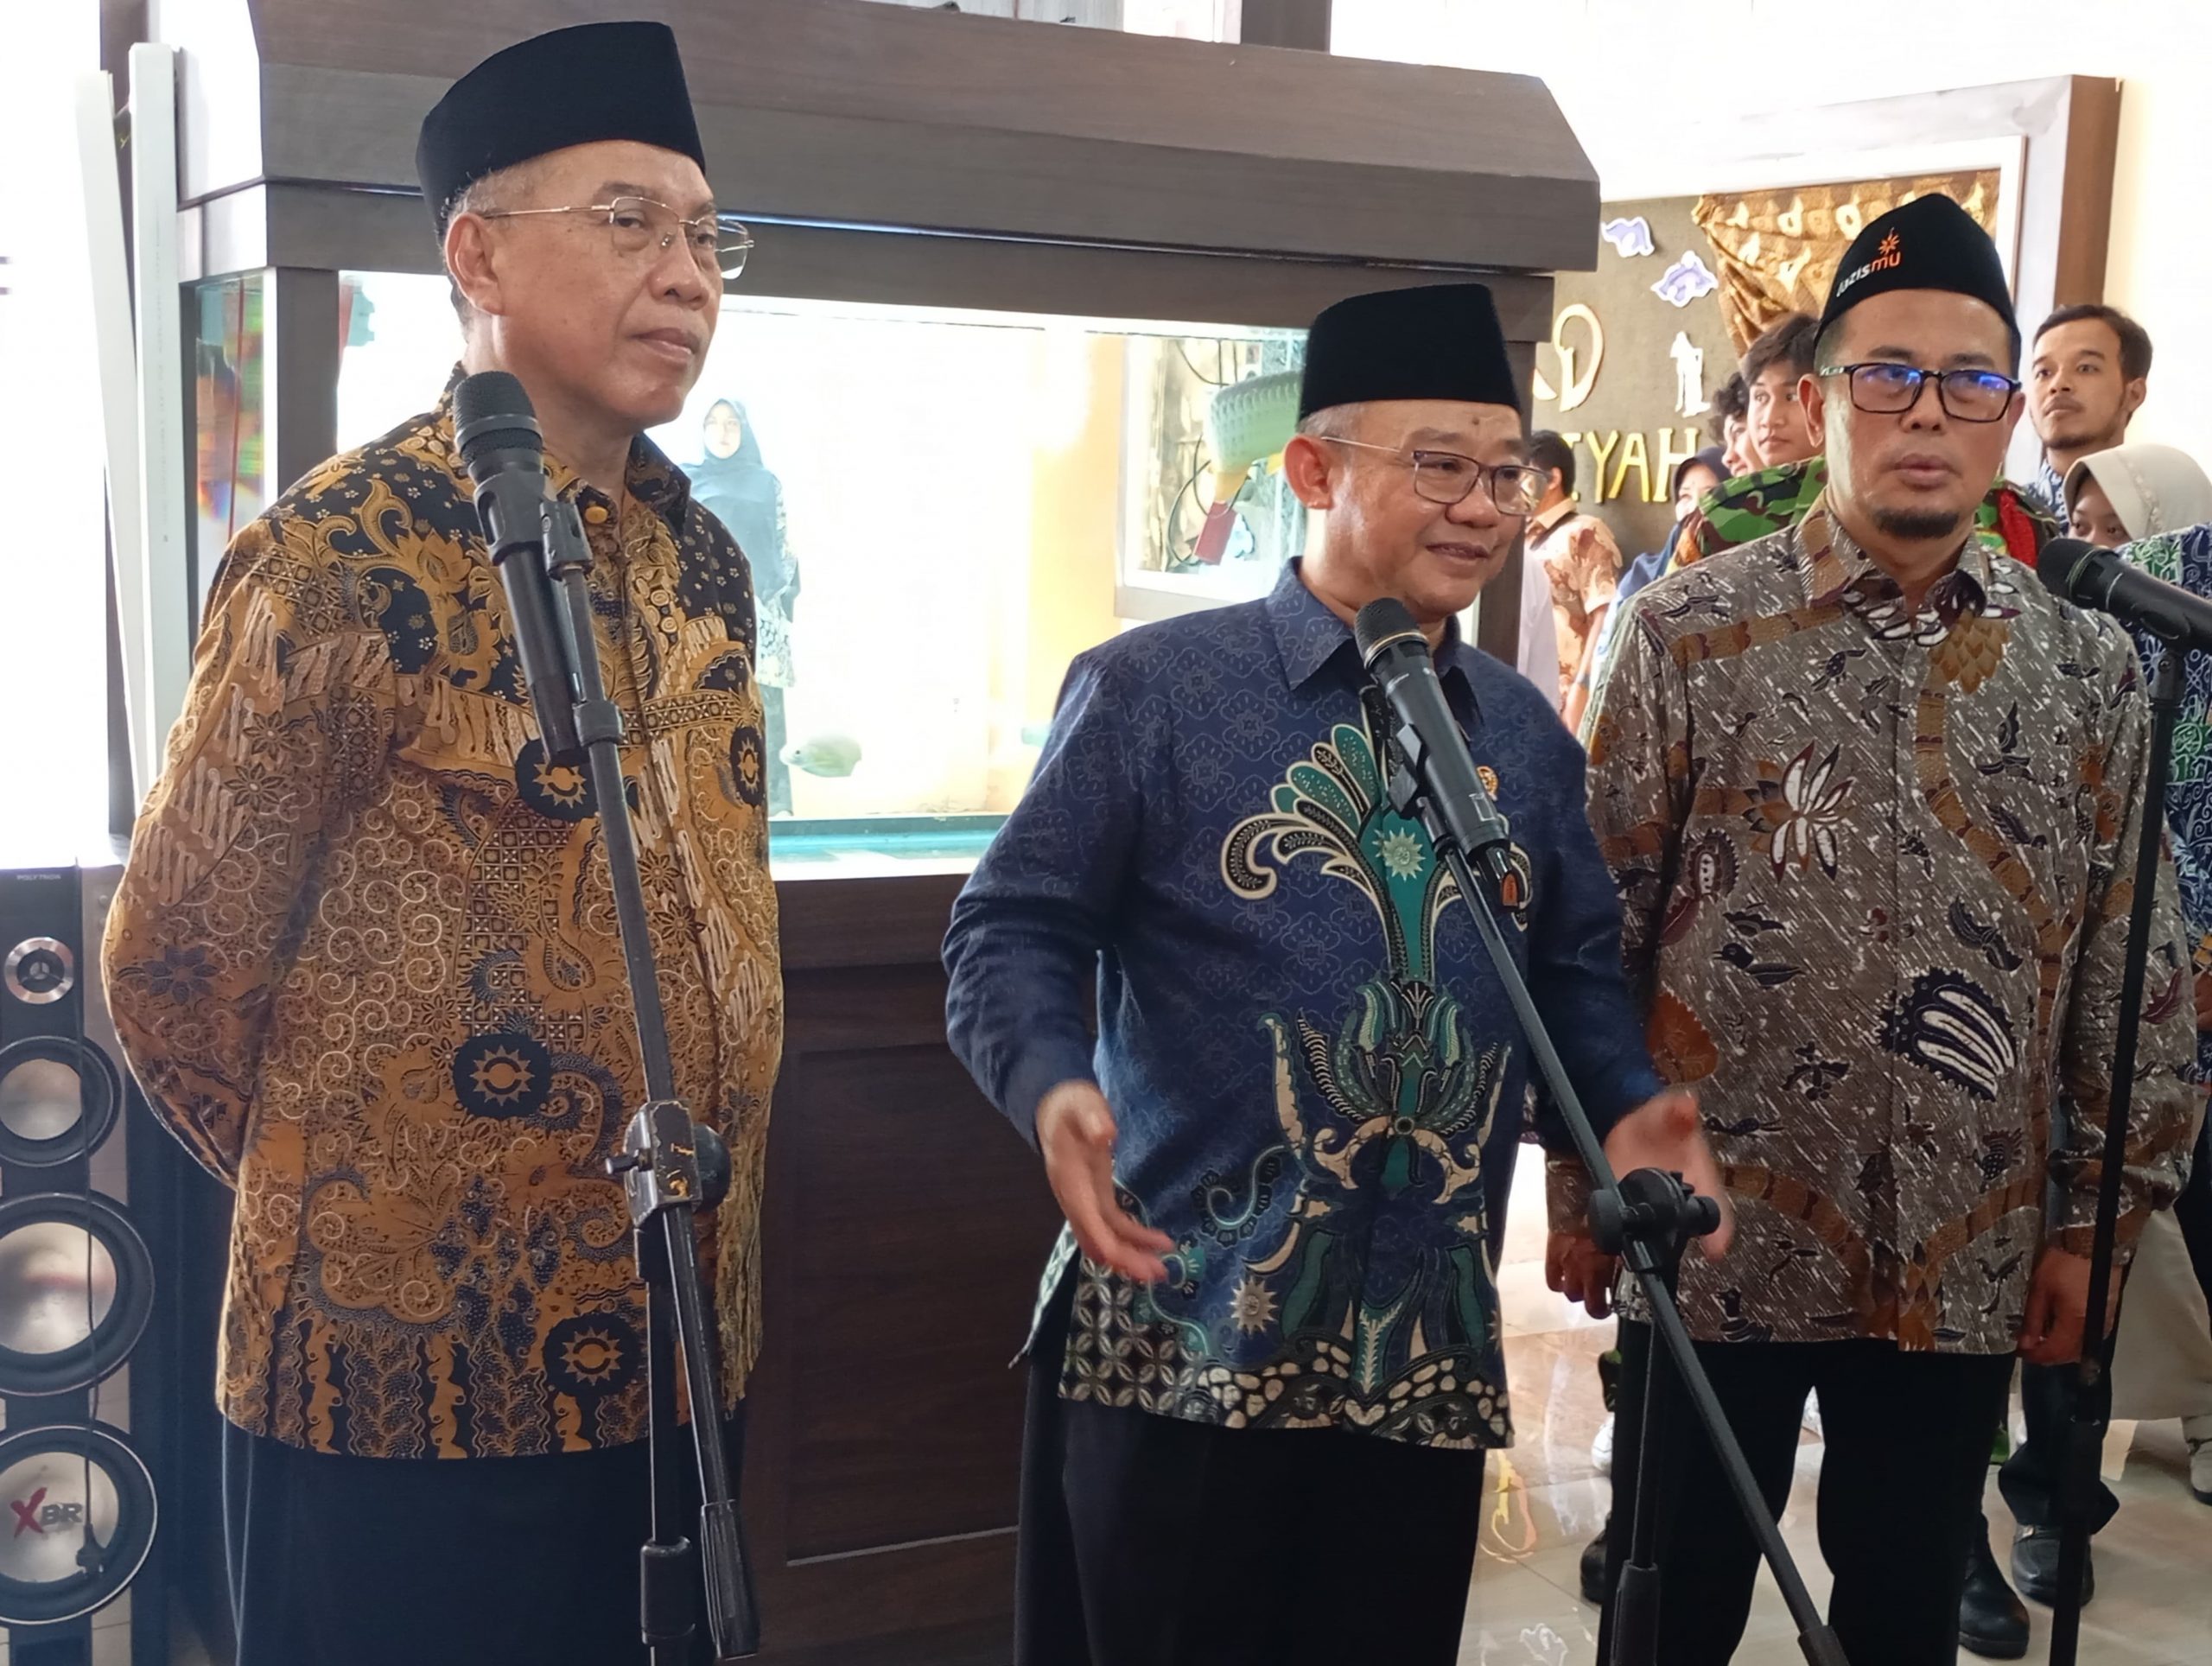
1446 477
644 225
1969 396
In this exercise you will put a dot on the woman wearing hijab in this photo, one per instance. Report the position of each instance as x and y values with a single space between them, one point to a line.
2134 492
732 482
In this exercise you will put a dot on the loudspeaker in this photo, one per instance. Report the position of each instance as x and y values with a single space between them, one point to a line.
89 1392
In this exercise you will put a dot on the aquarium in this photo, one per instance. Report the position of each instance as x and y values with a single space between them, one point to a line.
942 508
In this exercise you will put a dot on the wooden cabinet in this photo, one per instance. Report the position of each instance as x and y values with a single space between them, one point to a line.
905 1224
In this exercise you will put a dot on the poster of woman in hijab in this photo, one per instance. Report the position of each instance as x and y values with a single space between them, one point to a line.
732 482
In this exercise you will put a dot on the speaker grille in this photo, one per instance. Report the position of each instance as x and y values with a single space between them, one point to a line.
59 1098
79 1521
76 1290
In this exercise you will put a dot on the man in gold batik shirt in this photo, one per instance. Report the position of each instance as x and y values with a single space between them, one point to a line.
365 958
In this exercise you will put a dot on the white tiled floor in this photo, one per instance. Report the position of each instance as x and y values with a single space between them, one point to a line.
2153 1605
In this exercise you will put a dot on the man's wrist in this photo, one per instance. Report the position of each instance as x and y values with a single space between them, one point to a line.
1566 1194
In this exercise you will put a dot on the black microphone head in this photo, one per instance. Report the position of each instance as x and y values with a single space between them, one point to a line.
2066 565
1382 622
491 412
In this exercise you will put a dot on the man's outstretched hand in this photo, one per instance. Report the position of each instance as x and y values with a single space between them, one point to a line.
1074 1131
1665 1134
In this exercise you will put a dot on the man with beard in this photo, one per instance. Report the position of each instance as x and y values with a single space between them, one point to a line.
1872 797
2088 373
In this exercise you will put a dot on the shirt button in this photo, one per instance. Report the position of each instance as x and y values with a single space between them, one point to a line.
596 513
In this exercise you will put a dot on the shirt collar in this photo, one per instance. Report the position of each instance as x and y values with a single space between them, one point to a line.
2050 488
1831 563
652 480
1541 526
1308 636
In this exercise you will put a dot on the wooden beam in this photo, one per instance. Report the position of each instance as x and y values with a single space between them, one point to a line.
2092 142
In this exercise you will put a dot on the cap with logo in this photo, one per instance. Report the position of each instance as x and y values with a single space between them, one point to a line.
1930 242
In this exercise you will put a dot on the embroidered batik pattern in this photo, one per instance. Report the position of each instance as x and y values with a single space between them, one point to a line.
1874 860
1353 1248
1315 1074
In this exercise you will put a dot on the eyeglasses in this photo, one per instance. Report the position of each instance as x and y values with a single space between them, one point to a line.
643 226
1446 477
1969 396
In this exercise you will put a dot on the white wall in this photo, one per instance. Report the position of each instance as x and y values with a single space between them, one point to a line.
53 564
1633 76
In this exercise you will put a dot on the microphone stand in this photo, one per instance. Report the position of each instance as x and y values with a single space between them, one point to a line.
1647 1217
2091 1413
670 1168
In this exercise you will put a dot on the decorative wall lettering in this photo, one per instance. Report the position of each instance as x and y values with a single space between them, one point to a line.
1633 456
1653 458
1600 454
1578 374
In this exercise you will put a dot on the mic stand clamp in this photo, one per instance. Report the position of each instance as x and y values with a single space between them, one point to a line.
671 1167
1647 1216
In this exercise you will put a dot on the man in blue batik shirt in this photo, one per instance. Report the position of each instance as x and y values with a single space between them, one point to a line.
1267 1365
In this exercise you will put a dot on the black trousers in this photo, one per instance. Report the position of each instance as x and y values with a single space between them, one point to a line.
1907 1437
2031 1476
477 1562
2193 1209
1147 1541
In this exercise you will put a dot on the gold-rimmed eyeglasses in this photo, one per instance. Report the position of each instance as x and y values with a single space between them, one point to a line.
644 225
1446 477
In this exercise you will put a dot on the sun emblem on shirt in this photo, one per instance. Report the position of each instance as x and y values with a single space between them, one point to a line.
562 783
552 787
748 766
501 1075
592 1356
1400 855
1488 777
1252 1306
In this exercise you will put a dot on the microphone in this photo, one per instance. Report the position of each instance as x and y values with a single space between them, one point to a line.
2105 582
1397 659
496 432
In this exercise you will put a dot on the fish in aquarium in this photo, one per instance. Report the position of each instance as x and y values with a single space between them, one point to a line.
824 754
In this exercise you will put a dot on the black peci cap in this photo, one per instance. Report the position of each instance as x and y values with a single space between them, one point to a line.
1441 342
572 86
